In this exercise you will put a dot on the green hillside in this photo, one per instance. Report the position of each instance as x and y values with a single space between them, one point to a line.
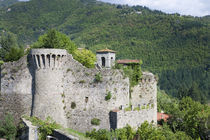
5 3
174 47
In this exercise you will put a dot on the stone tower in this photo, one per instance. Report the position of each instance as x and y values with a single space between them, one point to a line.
105 58
48 81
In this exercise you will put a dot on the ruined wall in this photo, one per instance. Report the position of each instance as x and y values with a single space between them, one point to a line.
135 118
16 88
71 95
144 95
89 95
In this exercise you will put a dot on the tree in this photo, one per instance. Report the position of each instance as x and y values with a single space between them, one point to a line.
195 116
191 117
14 54
148 132
85 57
55 39
7 127
10 50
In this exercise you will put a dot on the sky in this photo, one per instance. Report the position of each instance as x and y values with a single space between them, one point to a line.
183 7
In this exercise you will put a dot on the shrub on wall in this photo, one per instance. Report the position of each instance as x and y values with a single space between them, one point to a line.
73 105
85 57
46 127
98 77
108 96
8 129
95 121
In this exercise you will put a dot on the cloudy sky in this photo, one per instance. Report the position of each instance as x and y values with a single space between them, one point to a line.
184 7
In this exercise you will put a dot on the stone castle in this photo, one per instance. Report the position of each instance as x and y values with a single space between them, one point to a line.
49 82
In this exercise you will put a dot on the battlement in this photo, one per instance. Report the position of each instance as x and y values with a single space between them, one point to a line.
48 58
148 77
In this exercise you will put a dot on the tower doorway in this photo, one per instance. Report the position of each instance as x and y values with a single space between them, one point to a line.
103 61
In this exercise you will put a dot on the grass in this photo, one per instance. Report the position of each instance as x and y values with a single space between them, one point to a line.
75 133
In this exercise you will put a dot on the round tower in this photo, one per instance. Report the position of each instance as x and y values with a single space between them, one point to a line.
48 79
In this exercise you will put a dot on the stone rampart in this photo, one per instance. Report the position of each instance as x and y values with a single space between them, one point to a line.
47 101
51 83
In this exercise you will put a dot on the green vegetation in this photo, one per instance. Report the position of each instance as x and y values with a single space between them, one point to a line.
186 115
82 81
188 120
55 39
133 71
95 121
98 78
174 47
8 129
86 57
108 96
10 50
73 105
6 3
45 127
73 132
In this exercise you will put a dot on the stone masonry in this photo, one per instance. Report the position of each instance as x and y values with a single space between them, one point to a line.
49 82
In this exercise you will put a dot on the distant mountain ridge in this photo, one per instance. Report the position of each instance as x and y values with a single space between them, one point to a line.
173 46
6 3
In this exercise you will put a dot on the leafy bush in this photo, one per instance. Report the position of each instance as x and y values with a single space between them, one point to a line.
45 127
108 96
10 50
95 121
98 77
133 72
85 57
14 54
73 105
8 129
126 133
55 39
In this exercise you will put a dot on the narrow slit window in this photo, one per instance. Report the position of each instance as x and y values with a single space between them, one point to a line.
86 99
43 60
48 60
38 59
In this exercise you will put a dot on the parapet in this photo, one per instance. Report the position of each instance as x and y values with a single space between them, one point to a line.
48 58
148 77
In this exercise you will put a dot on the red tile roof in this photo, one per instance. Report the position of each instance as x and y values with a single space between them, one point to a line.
162 116
127 61
106 50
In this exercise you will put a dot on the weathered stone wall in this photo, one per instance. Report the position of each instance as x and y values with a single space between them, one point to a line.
70 94
48 76
16 88
89 95
135 118
144 95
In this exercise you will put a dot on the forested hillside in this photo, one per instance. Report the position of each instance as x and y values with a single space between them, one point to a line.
174 47
5 3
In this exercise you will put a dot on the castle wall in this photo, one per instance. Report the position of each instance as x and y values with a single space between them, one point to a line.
56 85
16 89
144 95
89 96
135 118
48 84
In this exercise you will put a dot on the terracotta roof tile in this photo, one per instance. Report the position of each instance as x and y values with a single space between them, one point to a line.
162 116
106 50
127 61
